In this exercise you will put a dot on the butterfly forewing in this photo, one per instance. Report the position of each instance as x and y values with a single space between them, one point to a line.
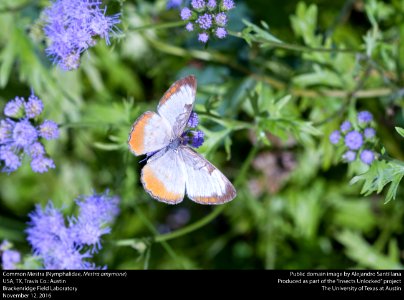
177 103
149 133
205 184
163 176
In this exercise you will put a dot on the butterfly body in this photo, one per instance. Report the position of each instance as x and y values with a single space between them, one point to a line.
173 167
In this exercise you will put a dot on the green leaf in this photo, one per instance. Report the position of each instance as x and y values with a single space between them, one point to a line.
304 24
400 131
108 147
380 174
227 147
254 33
319 77
6 62
359 250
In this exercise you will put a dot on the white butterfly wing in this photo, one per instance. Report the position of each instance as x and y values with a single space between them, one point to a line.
154 131
204 183
149 133
163 176
177 103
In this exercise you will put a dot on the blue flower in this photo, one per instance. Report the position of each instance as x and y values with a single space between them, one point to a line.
6 130
88 233
33 107
49 130
100 208
369 133
221 32
221 19
11 161
95 212
9 258
228 4
46 229
367 156
67 247
205 21
35 150
210 18
345 126
15 108
66 257
211 4
335 136
198 4
353 140
189 27
194 138
42 164
197 138
349 156
24 134
186 13
364 117
203 37
72 27
19 137
193 120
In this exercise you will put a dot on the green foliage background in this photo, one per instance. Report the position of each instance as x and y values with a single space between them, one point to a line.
268 97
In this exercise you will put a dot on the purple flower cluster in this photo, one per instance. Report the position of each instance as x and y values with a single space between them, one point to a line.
72 27
19 135
68 247
194 138
207 17
9 258
357 141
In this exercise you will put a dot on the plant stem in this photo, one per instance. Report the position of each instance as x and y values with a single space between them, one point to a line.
390 159
149 224
275 83
293 47
158 26
194 226
350 97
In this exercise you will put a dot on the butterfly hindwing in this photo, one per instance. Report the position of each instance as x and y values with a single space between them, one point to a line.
163 177
177 103
149 133
205 184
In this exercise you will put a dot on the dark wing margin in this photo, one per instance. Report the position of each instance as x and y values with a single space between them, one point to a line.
177 103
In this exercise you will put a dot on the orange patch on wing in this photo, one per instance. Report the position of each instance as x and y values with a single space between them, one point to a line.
157 188
136 137
169 93
229 195
190 80
209 200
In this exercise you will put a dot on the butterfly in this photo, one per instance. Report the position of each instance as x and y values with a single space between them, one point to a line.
173 167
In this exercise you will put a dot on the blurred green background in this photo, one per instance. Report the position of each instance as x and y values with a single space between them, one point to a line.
266 110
